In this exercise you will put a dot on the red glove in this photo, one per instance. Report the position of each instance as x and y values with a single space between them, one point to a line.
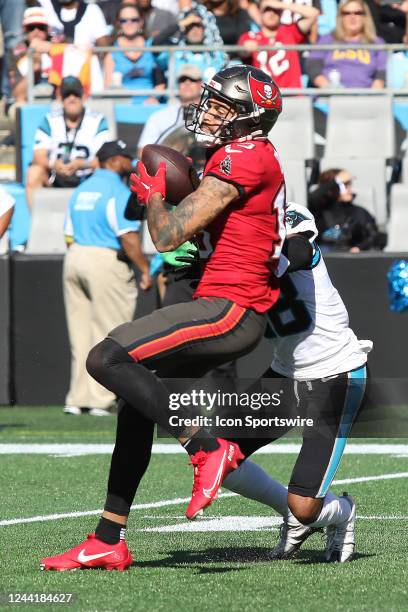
144 185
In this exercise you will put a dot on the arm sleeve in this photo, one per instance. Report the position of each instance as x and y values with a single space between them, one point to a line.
102 135
43 138
297 34
165 34
99 26
298 251
381 62
237 164
369 230
116 214
323 195
158 76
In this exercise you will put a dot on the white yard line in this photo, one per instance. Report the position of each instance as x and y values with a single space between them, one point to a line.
77 450
176 501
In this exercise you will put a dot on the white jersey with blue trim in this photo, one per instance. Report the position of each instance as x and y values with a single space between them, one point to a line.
309 326
68 144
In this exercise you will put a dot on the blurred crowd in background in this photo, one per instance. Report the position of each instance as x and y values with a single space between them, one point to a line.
63 36
63 33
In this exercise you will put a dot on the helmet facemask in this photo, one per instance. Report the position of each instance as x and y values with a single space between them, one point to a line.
232 126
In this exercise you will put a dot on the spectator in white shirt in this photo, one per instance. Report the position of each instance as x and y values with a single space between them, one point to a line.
77 22
164 121
66 142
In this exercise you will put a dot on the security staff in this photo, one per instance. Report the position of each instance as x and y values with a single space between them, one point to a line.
99 287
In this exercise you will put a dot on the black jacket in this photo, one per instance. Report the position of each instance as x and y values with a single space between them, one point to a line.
341 225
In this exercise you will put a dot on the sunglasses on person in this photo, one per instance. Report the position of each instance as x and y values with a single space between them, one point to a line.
129 20
184 79
34 26
269 9
67 94
358 13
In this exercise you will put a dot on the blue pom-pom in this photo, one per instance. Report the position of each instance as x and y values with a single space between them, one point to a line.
398 285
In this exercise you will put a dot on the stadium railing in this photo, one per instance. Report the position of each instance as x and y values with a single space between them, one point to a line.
171 91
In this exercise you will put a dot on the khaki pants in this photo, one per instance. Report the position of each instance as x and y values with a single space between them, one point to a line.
99 293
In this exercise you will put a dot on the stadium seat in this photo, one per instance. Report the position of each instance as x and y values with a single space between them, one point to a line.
47 225
398 223
360 127
293 138
360 138
107 108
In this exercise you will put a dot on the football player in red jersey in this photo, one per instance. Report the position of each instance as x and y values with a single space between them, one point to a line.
238 208
283 66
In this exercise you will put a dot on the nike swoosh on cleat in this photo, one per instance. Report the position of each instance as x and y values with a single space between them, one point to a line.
208 492
83 558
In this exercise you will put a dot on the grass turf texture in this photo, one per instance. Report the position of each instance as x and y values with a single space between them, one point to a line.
222 570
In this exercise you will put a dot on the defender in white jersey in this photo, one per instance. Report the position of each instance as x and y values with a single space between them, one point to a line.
311 324
314 346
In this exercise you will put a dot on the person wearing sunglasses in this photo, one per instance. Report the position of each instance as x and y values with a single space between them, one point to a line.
66 142
283 66
133 69
345 67
342 225
36 33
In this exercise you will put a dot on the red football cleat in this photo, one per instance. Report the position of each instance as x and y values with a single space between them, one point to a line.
91 553
210 469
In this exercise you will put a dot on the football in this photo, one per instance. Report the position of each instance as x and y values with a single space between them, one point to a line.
181 178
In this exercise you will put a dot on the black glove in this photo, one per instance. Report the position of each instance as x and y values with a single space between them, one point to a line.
191 269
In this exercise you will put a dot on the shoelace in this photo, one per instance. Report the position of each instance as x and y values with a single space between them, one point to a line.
198 461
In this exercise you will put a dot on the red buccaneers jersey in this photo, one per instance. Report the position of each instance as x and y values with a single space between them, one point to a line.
244 241
283 66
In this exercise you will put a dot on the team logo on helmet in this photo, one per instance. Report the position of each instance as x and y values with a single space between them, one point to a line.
266 95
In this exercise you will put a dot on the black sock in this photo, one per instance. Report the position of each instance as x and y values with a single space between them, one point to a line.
109 531
202 440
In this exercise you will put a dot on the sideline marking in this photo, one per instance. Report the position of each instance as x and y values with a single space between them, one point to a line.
77 450
234 523
177 501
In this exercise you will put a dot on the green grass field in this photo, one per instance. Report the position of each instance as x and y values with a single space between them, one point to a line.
217 563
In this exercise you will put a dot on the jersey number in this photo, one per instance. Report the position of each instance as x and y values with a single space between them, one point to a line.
289 315
275 64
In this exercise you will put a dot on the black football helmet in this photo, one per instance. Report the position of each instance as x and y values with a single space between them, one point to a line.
252 95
